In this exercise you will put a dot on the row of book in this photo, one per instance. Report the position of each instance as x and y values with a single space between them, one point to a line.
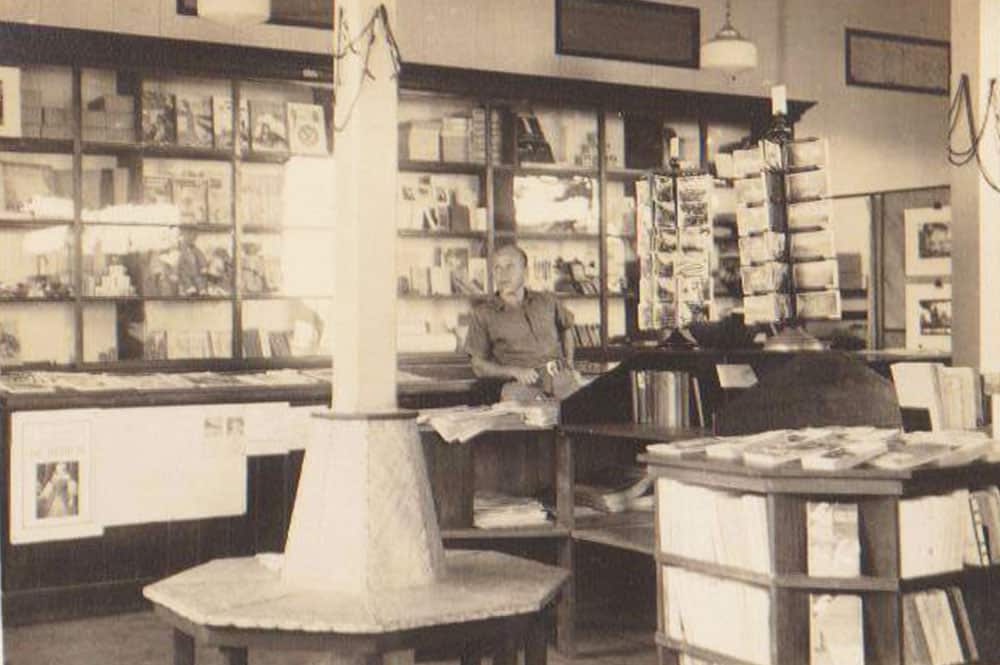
836 448
454 138
439 203
26 382
587 334
168 345
661 398
265 125
259 343
735 623
937 629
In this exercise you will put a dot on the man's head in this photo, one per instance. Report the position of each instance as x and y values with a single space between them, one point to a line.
509 266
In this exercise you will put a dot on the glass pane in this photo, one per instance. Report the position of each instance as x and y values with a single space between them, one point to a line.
558 136
36 262
156 262
621 208
104 340
294 263
179 191
688 132
46 102
109 106
283 328
297 193
438 128
567 266
36 186
173 330
547 204
187 112
287 118
432 326
37 332
441 267
446 203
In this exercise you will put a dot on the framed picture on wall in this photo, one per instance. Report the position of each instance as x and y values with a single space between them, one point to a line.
52 477
928 316
897 62
10 101
928 241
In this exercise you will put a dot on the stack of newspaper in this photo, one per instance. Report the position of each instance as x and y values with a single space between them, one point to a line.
497 511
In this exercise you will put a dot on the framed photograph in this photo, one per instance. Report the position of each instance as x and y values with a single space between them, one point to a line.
897 62
52 476
928 241
631 30
928 316
10 101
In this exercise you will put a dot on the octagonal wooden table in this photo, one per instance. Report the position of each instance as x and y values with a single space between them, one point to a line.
486 602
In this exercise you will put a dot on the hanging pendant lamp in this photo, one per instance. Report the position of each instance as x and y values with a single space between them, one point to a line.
728 50
235 12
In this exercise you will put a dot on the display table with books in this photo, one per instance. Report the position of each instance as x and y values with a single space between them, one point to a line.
878 553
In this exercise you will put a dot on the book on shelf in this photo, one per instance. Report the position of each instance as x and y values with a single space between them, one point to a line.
194 121
836 630
159 118
268 125
498 511
832 542
20 382
933 628
222 123
932 533
306 129
661 398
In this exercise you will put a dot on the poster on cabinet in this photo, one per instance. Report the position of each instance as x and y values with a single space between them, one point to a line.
52 479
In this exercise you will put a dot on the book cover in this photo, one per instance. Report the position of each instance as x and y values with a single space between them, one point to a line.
194 121
909 457
306 129
961 614
836 630
915 646
269 130
978 549
157 189
159 119
816 275
811 245
810 215
806 186
833 545
222 123
191 199
844 456
806 153
818 305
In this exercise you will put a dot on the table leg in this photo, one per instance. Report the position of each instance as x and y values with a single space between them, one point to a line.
183 648
506 651
535 640
566 605
234 655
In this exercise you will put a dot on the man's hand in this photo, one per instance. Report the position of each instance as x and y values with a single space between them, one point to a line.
525 375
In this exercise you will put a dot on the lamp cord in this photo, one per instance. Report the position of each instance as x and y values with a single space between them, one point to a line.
347 46
963 101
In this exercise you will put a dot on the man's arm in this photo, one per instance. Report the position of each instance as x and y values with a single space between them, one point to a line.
487 369
568 345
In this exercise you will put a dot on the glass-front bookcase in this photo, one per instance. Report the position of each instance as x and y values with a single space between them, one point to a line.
153 215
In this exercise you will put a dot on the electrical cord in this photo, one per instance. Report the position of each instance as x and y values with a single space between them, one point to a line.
368 37
963 101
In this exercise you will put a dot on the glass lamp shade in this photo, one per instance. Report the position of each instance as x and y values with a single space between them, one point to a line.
728 50
235 12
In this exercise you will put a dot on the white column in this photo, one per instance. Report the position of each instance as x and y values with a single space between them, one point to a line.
364 355
975 51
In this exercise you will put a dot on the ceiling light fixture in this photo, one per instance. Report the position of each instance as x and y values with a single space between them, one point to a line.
728 50
236 13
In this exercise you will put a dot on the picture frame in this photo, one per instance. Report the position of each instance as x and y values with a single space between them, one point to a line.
52 480
928 241
10 102
897 62
629 30
928 316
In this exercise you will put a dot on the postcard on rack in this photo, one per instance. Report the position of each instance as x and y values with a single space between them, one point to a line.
194 121
269 126
806 153
810 215
807 185
816 275
811 245
819 305
52 482
747 163
771 277
306 129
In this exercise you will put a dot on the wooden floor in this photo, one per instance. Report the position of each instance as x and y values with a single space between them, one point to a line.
608 637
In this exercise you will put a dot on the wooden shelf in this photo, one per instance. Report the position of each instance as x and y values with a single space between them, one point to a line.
441 296
47 146
548 235
175 299
281 228
285 296
436 235
698 652
460 168
26 300
198 228
632 530
276 157
175 152
34 223
634 432
625 174
558 170
715 569
517 532
861 584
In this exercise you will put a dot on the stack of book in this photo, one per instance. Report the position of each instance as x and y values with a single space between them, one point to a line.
498 511
734 624
951 396
836 630
934 531
661 398
937 629
615 490
587 334
477 136
832 542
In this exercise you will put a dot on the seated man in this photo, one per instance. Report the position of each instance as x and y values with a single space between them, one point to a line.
522 335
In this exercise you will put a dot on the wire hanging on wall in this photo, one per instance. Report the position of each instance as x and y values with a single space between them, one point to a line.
347 46
963 101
